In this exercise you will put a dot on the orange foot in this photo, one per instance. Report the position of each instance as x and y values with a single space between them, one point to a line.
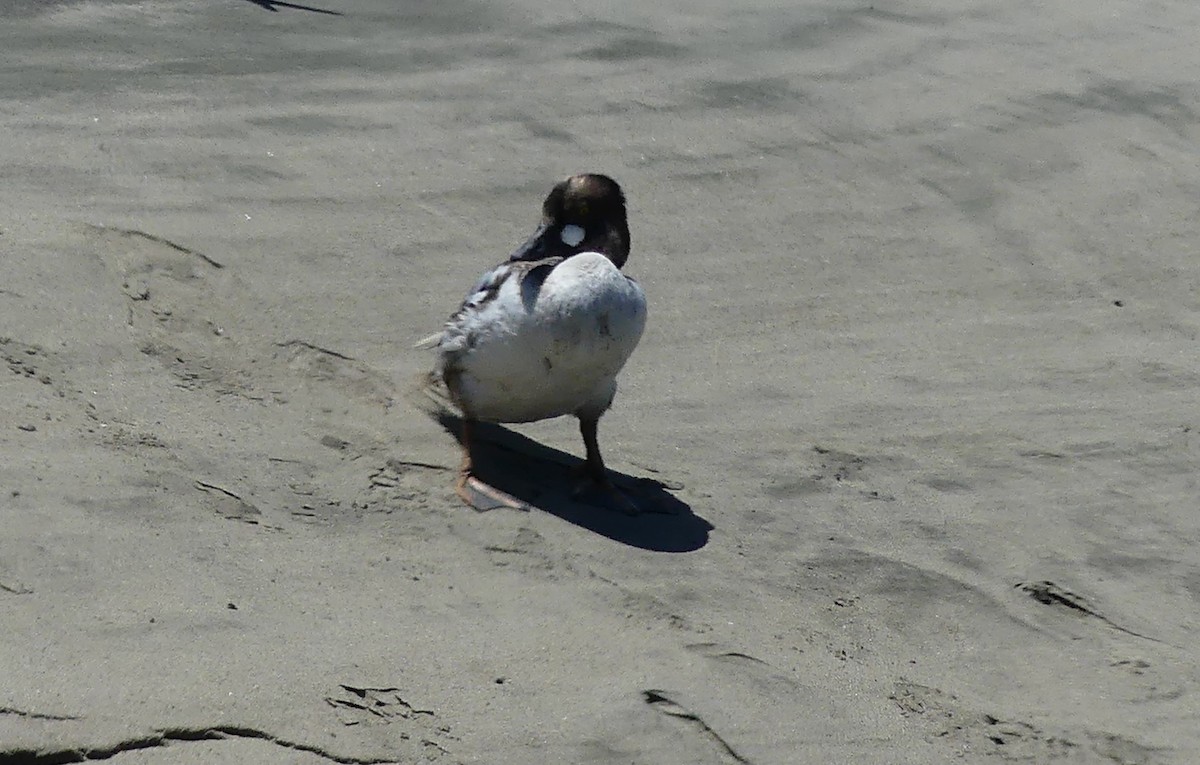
483 497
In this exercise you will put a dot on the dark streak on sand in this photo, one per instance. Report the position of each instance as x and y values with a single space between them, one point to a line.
317 348
1050 594
133 232
274 6
35 715
168 736
665 704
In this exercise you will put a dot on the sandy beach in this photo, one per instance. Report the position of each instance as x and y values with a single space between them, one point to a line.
918 397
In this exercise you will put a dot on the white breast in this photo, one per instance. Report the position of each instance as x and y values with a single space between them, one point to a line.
554 351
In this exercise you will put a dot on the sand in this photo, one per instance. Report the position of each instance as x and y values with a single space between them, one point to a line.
919 387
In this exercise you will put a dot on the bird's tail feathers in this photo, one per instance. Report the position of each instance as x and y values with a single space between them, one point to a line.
430 394
426 343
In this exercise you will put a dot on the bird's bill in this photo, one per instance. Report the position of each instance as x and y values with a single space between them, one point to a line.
540 245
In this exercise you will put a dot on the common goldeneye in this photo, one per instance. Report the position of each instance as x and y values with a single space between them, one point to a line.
545 333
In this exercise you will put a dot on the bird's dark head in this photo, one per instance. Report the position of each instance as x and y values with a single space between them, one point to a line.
584 213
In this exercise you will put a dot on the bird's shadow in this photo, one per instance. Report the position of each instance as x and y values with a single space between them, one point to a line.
540 476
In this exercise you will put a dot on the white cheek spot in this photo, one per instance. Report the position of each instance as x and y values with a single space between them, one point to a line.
572 235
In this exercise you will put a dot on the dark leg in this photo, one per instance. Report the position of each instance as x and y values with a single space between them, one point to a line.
464 470
594 463
593 466
475 492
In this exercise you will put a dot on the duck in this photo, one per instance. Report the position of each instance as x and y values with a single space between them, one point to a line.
545 333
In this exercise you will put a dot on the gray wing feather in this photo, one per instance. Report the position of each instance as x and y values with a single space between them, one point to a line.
451 338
